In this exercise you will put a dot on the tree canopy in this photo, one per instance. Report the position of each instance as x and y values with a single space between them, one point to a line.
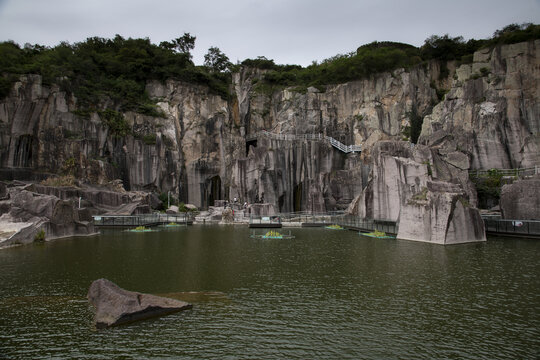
216 60
116 68
119 68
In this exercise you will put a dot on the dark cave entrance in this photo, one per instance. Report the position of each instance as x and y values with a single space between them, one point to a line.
213 186
23 151
298 197
250 143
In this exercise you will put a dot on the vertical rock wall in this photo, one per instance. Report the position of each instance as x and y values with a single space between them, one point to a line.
428 197
492 109
202 149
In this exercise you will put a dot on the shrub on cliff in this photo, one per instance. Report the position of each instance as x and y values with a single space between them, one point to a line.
99 68
116 123
40 236
378 57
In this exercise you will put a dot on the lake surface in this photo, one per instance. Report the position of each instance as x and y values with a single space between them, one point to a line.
326 294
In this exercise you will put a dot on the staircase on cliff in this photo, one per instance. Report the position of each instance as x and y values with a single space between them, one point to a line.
311 137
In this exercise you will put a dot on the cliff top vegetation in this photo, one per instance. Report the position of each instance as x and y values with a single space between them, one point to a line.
118 69
378 57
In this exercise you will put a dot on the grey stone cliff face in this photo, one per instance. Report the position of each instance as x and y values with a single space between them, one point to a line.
521 200
427 196
205 150
493 108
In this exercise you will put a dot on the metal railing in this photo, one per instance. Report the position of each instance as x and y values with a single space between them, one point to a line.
338 218
356 223
270 219
312 137
140 220
518 172
513 227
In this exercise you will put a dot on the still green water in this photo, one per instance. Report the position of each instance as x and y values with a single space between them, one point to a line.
326 294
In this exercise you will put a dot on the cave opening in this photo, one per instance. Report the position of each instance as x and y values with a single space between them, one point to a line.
213 192
250 143
281 202
23 151
298 197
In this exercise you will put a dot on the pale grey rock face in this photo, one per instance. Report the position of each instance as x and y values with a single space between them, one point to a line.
296 175
489 118
493 108
394 175
116 306
428 197
441 214
262 209
173 209
521 200
27 213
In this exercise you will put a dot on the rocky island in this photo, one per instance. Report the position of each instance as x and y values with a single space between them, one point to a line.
419 127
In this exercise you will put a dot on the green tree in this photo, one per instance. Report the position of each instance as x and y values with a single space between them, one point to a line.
183 44
216 60
443 47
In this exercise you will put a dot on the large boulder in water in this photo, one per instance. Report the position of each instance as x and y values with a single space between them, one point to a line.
116 306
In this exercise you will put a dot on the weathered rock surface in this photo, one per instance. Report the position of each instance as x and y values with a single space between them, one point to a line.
173 209
27 209
204 149
428 197
262 209
492 110
227 216
440 214
521 200
26 213
116 306
3 191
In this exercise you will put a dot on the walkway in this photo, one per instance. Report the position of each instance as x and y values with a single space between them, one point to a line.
311 137
520 228
518 172
346 221
141 220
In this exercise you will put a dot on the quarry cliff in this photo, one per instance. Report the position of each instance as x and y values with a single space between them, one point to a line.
479 115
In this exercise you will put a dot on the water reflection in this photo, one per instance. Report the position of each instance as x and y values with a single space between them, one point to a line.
325 294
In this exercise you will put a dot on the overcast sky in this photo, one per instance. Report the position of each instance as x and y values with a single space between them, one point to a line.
288 31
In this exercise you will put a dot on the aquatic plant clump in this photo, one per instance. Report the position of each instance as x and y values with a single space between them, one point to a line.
141 229
273 234
378 234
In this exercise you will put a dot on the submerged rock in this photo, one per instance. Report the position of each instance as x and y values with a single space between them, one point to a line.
115 306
